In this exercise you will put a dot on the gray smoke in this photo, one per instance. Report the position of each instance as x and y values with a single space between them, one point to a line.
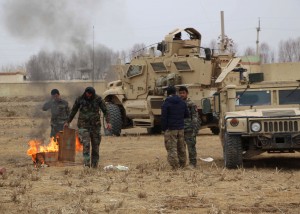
61 23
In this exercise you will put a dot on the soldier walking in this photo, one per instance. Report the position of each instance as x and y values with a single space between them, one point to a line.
89 125
191 126
59 112
174 110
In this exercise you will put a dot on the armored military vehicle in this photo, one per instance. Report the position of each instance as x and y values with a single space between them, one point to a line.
135 99
258 112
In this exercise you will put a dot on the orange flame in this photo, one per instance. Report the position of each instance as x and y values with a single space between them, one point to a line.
53 146
79 146
35 147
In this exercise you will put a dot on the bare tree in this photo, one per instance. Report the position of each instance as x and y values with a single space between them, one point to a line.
123 56
57 66
12 68
296 49
104 58
137 50
289 50
34 68
285 52
266 54
249 51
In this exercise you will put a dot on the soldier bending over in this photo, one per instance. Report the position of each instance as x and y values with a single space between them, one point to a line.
89 125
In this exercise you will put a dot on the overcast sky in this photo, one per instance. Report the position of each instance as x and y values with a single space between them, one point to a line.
28 26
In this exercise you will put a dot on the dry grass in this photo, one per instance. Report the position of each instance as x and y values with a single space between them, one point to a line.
142 194
67 172
15 197
89 191
108 208
192 193
150 186
35 177
14 183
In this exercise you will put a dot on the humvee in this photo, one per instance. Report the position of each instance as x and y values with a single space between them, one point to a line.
259 112
135 99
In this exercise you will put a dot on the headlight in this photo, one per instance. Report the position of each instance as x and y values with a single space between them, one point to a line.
255 126
234 122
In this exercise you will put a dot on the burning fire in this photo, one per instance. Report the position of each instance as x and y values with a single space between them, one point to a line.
36 147
79 146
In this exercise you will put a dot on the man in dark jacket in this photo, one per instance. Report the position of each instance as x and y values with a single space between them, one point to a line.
89 125
174 110
59 112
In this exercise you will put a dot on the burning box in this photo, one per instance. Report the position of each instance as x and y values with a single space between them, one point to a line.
63 149
46 157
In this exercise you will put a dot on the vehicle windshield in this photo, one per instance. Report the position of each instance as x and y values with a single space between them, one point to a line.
289 96
134 70
253 98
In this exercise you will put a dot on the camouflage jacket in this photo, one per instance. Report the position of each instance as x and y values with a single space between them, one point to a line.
59 110
192 122
89 111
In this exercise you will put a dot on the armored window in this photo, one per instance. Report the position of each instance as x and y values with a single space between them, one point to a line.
253 98
158 67
134 70
182 66
289 96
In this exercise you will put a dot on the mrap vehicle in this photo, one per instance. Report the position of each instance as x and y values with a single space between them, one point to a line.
135 99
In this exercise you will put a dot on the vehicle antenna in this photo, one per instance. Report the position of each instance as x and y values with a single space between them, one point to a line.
257 39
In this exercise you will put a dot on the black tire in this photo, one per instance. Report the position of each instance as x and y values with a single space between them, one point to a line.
115 120
154 130
233 151
215 130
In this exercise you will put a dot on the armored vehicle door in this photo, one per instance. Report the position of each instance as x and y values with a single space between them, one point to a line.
136 86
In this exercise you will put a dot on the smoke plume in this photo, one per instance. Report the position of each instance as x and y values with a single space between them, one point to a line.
57 22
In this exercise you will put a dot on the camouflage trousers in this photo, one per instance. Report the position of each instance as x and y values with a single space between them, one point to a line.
90 137
55 128
175 146
190 140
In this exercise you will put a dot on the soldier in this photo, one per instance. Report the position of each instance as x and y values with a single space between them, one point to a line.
59 112
174 110
191 126
177 36
89 125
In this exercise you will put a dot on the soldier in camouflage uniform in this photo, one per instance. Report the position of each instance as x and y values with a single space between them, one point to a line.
191 126
89 125
174 110
59 112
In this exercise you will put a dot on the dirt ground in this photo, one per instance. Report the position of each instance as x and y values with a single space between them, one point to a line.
266 184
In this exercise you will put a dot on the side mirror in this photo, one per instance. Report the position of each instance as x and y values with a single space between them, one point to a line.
206 106
217 103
